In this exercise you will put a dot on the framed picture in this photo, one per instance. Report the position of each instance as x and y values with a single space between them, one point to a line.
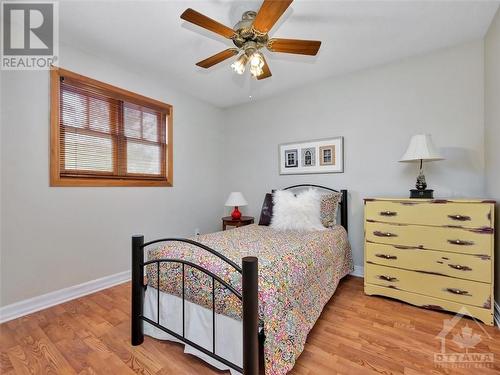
316 156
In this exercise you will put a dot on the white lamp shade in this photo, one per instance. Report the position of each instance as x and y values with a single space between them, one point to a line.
421 147
236 199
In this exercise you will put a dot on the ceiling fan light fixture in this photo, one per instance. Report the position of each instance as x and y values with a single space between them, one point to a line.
257 60
239 65
256 71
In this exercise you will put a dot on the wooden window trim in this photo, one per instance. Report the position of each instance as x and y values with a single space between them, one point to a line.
57 179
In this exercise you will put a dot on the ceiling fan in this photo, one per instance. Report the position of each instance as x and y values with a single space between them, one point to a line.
250 35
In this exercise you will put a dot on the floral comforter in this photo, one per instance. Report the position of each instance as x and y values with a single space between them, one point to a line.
298 273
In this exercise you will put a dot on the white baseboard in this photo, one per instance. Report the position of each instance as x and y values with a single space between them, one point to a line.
359 271
497 314
44 301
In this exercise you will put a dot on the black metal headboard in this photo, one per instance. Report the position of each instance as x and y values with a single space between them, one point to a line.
342 203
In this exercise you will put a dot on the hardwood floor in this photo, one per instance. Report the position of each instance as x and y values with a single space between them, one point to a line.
355 334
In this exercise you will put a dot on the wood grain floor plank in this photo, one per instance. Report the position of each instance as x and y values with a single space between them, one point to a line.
76 353
23 362
5 363
44 351
355 334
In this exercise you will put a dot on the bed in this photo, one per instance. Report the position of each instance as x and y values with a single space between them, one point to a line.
239 318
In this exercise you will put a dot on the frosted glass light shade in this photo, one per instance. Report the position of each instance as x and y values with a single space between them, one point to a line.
236 199
421 147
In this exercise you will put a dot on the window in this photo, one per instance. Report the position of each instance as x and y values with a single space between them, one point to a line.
308 158
327 156
290 158
105 136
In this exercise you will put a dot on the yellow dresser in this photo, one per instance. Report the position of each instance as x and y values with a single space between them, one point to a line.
436 254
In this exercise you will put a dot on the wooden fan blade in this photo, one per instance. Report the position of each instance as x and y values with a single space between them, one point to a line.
270 11
217 58
297 46
201 20
266 72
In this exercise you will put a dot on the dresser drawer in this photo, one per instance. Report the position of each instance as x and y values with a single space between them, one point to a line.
469 267
458 240
476 215
485 315
447 288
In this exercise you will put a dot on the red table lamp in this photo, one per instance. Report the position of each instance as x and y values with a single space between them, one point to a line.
236 199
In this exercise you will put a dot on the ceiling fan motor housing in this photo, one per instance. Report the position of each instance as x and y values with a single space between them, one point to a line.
245 33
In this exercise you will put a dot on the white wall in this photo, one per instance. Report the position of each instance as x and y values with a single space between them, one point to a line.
376 111
492 124
53 238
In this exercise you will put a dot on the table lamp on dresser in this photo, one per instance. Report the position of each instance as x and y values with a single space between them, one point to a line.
420 149
236 199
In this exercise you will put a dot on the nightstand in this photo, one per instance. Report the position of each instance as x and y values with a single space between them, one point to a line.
229 221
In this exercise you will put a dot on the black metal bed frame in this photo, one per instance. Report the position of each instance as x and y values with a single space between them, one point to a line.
252 339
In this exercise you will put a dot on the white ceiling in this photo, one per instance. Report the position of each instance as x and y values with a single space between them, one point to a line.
149 37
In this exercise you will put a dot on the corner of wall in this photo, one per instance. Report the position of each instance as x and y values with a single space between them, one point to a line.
492 129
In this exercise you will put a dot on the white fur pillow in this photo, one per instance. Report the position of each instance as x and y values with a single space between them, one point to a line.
297 212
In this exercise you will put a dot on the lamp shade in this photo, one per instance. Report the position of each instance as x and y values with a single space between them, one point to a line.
421 147
236 199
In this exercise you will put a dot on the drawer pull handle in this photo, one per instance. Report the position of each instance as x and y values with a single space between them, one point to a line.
459 217
461 242
460 267
402 247
386 256
388 213
457 291
387 278
384 234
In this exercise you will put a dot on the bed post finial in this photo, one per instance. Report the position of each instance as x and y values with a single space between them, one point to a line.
137 326
250 287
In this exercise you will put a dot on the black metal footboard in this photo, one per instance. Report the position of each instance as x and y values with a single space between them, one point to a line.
248 296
